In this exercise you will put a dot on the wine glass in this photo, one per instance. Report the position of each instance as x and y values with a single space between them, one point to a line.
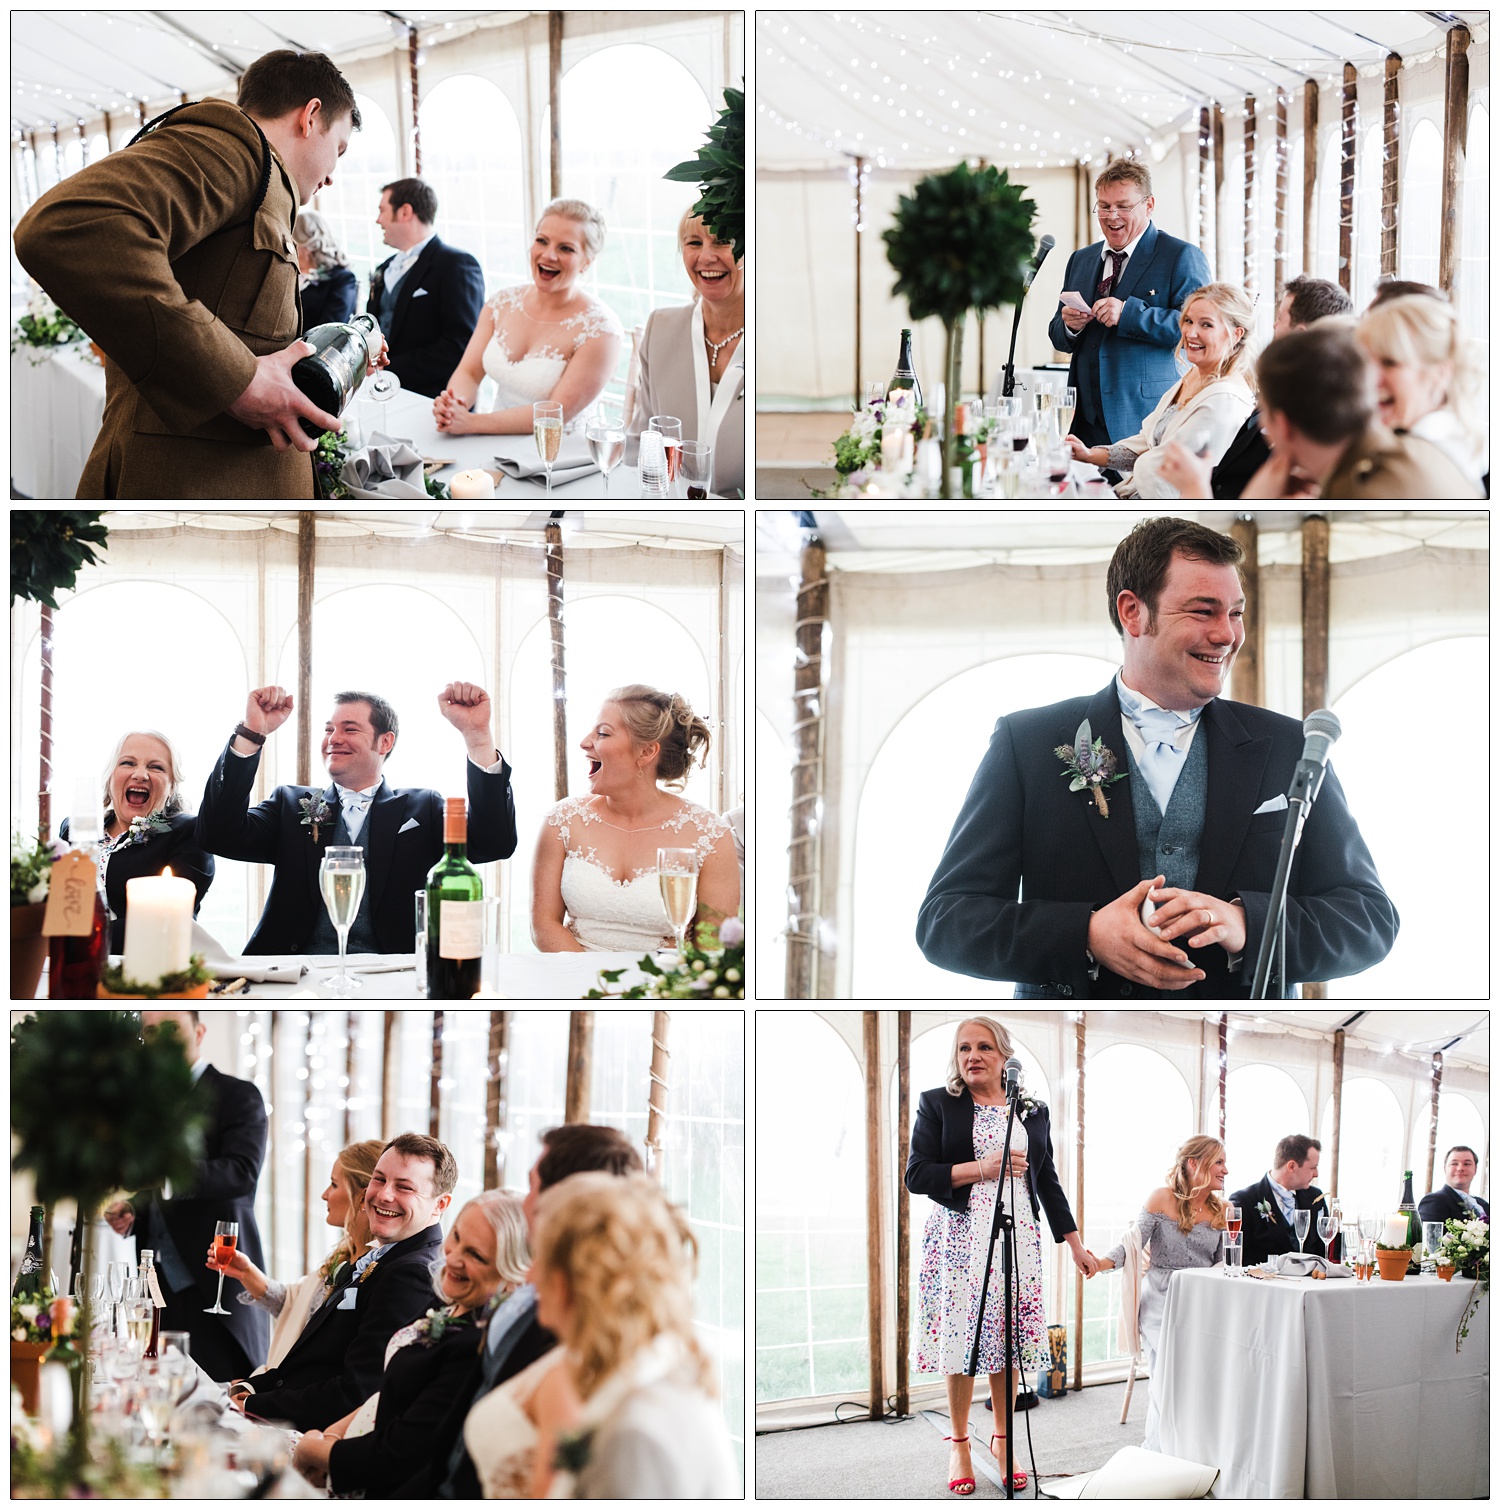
341 877
381 386
697 468
1059 464
119 1272
546 430
226 1239
1066 408
677 873
1233 1218
1432 1240
1301 1221
669 427
1328 1229
606 440
874 393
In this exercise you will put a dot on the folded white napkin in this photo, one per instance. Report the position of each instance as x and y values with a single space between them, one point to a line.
1135 1474
1300 1265
254 967
384 468
573 461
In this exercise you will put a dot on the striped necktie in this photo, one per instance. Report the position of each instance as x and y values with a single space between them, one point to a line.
1108 282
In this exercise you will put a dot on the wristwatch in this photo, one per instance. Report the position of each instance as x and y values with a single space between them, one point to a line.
250 734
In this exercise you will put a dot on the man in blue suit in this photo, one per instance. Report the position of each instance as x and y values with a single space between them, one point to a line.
1135 283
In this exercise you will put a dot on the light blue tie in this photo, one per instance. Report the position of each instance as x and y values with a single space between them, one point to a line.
355 805
1161 761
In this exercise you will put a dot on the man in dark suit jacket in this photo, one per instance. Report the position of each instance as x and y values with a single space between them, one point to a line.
400 831
513 1337
428 296
1455 1202
336 1362
1044 879
1265 1225
1135 282
179 1227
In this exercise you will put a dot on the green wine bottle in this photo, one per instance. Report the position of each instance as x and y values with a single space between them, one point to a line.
1413 1226
455 913
905 375
30 1280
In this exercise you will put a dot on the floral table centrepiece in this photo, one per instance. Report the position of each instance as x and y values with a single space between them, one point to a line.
712 969
1392 1262
185 985
859 454
1466 1246
329 456
45 330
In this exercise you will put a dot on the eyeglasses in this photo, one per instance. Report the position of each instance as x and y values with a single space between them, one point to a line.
1117 209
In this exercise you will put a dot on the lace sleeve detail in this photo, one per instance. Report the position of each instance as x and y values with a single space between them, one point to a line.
597 320
1122 458
505 299
566 812
711 827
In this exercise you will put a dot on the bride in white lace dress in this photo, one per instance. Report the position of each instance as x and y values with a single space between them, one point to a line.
594 881
548 340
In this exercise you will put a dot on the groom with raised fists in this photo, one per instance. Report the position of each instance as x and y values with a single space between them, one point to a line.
400 830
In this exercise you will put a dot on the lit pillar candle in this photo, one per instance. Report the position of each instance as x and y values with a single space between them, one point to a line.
475 483
1395 1231
158 926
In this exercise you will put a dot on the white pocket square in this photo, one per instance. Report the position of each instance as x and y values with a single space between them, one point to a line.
419 293
1271 805
349 1297
412 822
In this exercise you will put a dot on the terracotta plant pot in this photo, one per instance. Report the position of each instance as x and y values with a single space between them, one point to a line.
1393 1262
26 1372
28 950
1445 1272
197 993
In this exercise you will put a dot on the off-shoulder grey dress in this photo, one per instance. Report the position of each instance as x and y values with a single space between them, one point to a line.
1171 1250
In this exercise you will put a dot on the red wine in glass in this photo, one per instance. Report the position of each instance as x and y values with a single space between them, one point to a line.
1234 1226
1020 442
226 1239
696 492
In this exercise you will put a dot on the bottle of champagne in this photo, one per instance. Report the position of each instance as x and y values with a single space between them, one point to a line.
455 913
76 961
151 1293
1408 1208
905 375
30 1280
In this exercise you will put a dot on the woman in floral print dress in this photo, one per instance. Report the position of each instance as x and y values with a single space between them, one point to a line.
956 1150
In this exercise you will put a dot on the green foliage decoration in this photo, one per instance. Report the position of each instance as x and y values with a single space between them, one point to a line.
719 171
47 547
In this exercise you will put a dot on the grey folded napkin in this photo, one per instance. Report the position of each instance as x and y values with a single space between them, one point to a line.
384 468
254 967
573 461
1303 1265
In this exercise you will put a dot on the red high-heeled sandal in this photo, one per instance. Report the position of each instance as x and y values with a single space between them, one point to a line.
960 1486
1018 1479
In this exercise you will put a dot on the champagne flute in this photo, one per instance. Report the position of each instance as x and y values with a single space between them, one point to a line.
226 1240
606 440
341 878
118 1272
1301 1221
677 873
1066 410
546 430
1328 1229
1233 1218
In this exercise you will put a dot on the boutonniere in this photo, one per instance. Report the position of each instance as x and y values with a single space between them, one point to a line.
316 811
438 1321
574 1449
1026 1106
340 1276
1091 765
370 1269
1264 1209
141 829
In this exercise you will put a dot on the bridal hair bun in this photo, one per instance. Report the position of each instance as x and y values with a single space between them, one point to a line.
666 719
591 221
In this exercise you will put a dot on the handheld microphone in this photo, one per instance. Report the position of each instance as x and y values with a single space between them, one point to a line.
1319 730
1044 246
1012 1078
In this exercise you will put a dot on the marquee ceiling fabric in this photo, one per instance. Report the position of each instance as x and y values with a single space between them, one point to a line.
67 65
1463 1035
916 90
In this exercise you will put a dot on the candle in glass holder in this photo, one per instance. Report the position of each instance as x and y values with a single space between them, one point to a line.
475 483
158 926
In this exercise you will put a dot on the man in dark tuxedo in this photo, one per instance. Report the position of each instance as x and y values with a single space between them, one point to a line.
336 1362
1044 881
1455 1202
178 1227
1135 283
1266 1207
513 1338
427 297
400 831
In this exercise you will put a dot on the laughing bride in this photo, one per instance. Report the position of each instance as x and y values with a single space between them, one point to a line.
547 341
594 882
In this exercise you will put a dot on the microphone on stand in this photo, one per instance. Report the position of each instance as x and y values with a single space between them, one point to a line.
1045 245
1012 1078
1319 730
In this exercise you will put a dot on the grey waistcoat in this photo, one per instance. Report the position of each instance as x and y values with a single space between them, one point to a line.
324 939
1168 842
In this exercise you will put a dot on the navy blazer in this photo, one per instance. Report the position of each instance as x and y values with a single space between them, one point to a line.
944 1136
1264 1237
337 1361
402 839
437 307
1029 862
1445 1206
1248 452
330 299
178 847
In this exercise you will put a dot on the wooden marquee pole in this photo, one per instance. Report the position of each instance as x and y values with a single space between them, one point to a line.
1080 1032
656 1095
1252 269
416 126
580 1066
559 661
1338 1112
1279 269
1455 153
1223 1075
859 229
1249 665
804 904
874 1246
496 1097
1348 145
1390 178
307 535
44 775
1314 644
554 96
351 1065
388 1076
435 1078
903 1214
1437 1086
1309 171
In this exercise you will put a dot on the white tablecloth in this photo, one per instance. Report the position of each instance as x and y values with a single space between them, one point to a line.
56 409
1326 1389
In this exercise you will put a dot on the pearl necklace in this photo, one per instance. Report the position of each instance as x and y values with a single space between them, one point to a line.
715 346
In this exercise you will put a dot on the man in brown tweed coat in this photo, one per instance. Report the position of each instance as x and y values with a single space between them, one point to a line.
176 255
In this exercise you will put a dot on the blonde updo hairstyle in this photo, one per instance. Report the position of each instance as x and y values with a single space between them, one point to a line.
1236 310
1417 330
628 1257
1180 1180
173 803
314 232
356 1164
956 1085
664 719
590 222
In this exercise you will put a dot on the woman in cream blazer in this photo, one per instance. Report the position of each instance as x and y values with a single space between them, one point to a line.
692 358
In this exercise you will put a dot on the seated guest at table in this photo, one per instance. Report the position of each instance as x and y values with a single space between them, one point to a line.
1427 378
1182 1226
336 1362
400 830
1205 408
179 1225
145 828
594 883
614 1269
429 1362
549 340
427 296
1303 300
292 1304
513 1338
330 290
1267 1207
1455 1202
1317 411
693 360
1399 288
